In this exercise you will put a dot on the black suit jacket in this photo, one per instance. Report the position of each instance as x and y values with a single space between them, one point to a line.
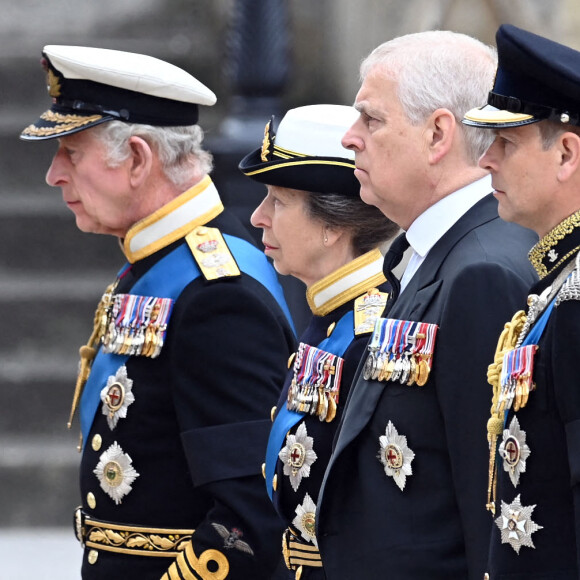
437 527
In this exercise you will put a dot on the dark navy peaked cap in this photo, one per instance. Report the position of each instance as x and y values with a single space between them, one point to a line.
536 79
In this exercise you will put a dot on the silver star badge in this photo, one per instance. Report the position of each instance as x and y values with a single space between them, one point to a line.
516 525
297 456
395 455
305 520
117 396
514 451
115 473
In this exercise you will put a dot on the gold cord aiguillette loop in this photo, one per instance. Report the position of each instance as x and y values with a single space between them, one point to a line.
507 341
88 351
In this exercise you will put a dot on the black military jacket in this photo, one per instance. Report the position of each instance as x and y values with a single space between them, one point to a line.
195 433
350 282
536 533
436 527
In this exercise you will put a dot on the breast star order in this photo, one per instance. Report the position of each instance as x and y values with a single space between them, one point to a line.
297 456
516 525
514 451
117 395
305 520
395 455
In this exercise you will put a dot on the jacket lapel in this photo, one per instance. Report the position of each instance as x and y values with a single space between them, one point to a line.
411 304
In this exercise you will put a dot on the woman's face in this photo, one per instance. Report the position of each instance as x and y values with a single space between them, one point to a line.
292 239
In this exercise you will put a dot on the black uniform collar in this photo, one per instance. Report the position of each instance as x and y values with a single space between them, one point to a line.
557 247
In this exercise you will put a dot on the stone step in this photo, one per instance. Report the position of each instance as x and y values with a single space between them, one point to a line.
49 244
47 315
38 393
39 480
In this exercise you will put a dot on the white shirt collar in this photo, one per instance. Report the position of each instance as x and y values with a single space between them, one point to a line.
436 220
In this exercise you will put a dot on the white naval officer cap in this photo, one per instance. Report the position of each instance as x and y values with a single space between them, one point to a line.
90 86
305 151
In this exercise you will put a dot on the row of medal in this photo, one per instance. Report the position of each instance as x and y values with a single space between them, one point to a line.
400 350
316 383
137 325
516 380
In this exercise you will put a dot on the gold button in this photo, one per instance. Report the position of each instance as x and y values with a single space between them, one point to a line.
201 231
275 482
264 470
93 555
97 442
91 501
273 412
330 329
291 359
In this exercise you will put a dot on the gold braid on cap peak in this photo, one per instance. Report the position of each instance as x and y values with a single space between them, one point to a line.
507 341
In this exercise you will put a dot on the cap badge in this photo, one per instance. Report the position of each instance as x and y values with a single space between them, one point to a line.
305 520
268 141
514 451
516 525
52 80
117 396
395 455
115 473
297 456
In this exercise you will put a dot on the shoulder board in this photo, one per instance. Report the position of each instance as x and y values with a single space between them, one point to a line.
367 308
212 254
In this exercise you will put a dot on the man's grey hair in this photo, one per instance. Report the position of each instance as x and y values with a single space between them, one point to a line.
179 149
439 69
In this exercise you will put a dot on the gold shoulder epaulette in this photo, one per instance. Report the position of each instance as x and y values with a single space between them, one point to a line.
367 308
211 253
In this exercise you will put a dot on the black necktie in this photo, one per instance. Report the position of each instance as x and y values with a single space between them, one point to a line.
393 257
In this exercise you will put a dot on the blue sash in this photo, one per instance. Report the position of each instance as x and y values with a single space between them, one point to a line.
167 279
336 344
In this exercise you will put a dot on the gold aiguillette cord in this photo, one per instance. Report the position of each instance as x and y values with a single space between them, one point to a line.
88 351
507 341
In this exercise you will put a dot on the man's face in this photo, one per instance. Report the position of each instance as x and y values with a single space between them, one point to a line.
100 196
524 177
389 151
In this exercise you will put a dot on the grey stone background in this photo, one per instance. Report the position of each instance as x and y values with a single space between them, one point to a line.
51 276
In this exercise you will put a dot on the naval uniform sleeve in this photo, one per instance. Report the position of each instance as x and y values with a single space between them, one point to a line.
482 298
565 349
227 373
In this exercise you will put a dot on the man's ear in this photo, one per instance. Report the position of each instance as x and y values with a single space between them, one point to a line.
141 160
440 131
568 146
